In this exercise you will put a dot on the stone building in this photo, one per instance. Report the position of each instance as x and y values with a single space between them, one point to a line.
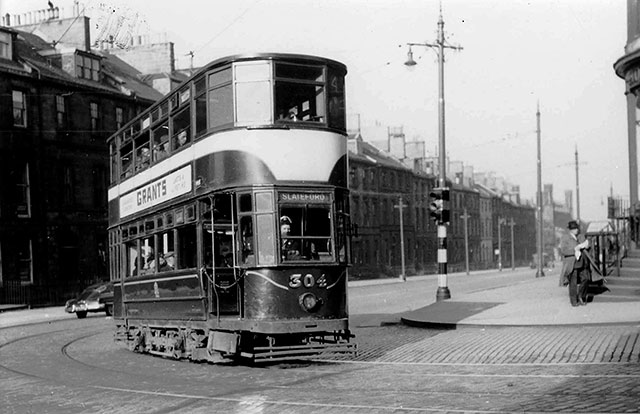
59 101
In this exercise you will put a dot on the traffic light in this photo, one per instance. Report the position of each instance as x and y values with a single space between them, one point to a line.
439 205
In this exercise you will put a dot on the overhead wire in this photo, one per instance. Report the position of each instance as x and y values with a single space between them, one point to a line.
234 21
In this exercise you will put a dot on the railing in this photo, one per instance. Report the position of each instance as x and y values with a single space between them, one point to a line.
607 249
14 292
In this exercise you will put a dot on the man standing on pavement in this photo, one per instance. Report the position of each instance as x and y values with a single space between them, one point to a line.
574 266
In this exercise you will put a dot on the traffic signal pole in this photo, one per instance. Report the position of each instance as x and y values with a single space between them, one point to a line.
443 289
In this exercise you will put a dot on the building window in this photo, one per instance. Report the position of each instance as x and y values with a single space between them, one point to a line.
67 186
99 187
94 116
5 46
23 193
119 117
25 270
19 109
61 111
87 68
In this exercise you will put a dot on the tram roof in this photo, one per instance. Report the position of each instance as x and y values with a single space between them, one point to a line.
291 57
288 57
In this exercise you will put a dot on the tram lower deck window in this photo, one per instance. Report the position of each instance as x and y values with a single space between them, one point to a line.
305 233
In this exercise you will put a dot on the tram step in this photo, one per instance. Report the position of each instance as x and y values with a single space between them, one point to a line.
631 262
629 272
633 253
623 281
629 291
615 298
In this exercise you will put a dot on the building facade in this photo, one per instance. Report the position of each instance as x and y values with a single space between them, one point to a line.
59 101
480 226
628 68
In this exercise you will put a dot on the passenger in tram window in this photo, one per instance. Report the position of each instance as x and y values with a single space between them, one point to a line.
182 140
144 157
166 262
290 115
290 247
149 262
313 251
161 151
225 255
246 229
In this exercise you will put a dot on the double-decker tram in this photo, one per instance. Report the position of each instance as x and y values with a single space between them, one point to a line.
229 214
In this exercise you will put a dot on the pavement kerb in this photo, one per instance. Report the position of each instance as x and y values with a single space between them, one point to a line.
536 302
430 276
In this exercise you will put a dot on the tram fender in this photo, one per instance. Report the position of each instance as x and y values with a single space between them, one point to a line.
226 342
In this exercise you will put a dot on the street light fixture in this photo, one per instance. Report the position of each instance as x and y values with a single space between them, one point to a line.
410 62
443 290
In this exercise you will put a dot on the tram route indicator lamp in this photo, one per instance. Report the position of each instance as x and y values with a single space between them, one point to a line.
439 205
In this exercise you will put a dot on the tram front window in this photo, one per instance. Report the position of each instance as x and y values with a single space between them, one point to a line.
299 93
305 233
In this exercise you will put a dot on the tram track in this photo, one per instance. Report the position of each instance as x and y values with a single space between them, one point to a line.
328 385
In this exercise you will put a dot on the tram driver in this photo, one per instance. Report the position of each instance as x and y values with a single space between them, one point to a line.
290 247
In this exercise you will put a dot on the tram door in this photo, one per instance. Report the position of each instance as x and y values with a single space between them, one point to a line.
218 238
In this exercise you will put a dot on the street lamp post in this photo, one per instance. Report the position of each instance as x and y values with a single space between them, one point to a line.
443 290
466 218
400 206
513 243
501 221
540 244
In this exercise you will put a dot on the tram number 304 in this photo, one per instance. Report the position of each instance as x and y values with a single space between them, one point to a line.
297 280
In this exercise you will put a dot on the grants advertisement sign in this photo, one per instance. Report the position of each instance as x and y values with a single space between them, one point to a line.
156 192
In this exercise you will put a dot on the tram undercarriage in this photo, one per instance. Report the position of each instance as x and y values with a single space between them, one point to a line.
216 346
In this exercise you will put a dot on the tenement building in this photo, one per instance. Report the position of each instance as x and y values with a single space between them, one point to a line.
59 101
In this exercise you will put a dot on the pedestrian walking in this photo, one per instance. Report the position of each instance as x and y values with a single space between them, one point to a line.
575 268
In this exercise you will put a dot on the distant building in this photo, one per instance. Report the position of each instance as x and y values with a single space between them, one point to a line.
379 182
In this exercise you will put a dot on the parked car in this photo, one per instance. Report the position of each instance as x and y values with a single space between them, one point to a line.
95 298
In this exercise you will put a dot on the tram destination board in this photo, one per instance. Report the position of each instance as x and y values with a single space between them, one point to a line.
305 197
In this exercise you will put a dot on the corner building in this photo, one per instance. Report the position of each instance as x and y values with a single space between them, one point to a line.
628 68
59 101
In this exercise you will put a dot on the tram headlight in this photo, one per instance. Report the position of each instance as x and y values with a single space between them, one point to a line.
309 302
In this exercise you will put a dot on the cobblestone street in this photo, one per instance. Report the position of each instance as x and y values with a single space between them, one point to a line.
522 345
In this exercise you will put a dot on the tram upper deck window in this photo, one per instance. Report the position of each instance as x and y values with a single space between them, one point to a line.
143 151
113 157
335 92
300 93
126 160
181 130
220 98
253 93
161 141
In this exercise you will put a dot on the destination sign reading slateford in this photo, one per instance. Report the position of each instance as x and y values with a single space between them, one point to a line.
156 192
305 197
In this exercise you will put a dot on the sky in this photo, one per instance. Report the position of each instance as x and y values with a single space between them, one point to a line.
516 55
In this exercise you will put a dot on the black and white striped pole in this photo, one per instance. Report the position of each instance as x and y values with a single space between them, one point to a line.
443 289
